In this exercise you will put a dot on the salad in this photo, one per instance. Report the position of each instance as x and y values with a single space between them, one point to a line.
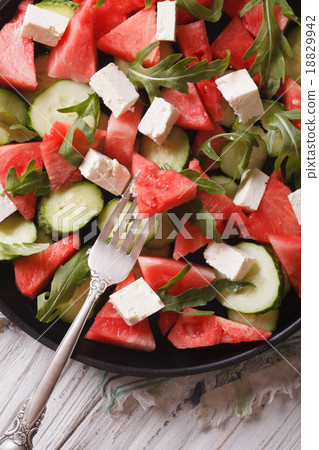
94 92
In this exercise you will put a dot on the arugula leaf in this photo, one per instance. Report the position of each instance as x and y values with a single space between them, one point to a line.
270 45
172 72
16 131
148 4
291 138
32 180
199 217
199 11
66 279
89 107
246 138
11 251
177 278
99 3
203 184
199 296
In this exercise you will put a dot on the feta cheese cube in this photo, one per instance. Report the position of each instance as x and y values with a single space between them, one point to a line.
241 92
136 301
115 89
107 173
233 263
295 200
158 120
166 21
43 25
7 207
251 189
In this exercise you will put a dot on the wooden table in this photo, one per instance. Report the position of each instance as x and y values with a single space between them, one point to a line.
75 419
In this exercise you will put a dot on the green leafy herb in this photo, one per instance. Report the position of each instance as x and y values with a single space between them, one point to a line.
270 45
199 296
16 131
246 138
11 251
148 4
199 217
291 138
199 11
181 274
66 279
99 3
32 180
203 184
172 72
89 107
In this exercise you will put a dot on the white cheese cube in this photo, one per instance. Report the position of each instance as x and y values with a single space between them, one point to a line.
295 200
158 120
107 173
166 21
241 92
251 189
233 263
43 25
115 89
7 207
136 301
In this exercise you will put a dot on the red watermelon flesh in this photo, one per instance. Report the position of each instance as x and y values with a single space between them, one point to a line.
121 135
232 8
17 67
166 320
184 244
129 37
252 20
158 271
159 190
184 17
235 38
204 331
127 6
290 93
18 156
288 250
75 56
202 136
32 273
192 111
107 17
274 214
110 328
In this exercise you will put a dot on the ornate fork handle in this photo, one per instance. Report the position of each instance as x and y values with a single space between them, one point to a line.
29 418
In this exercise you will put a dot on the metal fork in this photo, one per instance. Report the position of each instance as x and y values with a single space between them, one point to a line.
109 265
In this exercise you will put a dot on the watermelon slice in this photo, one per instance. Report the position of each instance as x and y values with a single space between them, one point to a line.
235 38
166 320
232 8
75 56
290 93
129 37
17 67
127 6
192 111
202 136
158 271
159 190
204 331
33 272
185 245
110 328
121 135
288 250
252 20
184 17
274 214
107 17
18 156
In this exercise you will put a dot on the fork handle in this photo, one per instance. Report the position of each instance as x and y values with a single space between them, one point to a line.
29 418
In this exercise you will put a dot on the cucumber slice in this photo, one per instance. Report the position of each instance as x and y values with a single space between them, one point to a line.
43 79
108 210
175 150
266 321
293 66
69 210
68 311
228 184
13 104
43 238
233 152
268 279
270 108
165 229
15 230
44 110
64 7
